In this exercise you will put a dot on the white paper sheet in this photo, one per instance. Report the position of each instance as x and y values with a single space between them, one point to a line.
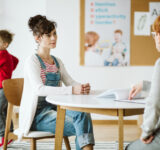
154 9
142 23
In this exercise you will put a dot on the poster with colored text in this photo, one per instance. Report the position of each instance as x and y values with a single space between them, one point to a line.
107 33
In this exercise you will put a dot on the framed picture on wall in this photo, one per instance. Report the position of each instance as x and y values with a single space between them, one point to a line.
105 32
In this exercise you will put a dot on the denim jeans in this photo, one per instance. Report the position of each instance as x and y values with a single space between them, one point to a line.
139 145
114 63
76 123
3 113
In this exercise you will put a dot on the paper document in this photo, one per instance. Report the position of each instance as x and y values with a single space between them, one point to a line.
121 95
140 101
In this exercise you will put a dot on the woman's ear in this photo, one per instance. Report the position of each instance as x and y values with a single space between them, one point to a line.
37 38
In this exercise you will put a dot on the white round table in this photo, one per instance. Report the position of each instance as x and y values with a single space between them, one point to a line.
91 104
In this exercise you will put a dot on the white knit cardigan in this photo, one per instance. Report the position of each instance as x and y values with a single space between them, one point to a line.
34 87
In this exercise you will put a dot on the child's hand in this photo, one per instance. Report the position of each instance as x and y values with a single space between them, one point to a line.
135 90
81 89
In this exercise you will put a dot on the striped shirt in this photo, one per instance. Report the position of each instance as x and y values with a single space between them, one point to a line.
49 68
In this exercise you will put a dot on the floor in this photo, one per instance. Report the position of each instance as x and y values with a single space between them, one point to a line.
110 132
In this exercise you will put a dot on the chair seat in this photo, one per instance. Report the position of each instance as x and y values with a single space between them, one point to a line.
35 134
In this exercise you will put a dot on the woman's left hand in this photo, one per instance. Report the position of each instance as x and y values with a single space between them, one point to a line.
148 140
86 88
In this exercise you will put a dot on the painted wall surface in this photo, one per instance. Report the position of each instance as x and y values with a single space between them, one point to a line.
1 11
66 13
15 15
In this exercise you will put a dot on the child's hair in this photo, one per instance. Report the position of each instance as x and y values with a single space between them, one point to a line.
118 31
156 25
91 38
6 36
41 25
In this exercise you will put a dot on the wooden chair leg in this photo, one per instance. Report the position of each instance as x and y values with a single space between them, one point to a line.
66 141
140 120
8 124
33 144
5 142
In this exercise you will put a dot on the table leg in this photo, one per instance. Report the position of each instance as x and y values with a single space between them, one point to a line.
120 123
59 128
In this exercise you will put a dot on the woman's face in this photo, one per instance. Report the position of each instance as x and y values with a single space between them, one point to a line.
48 40
157 41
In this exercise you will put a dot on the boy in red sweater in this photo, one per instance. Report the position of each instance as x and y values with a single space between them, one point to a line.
8 63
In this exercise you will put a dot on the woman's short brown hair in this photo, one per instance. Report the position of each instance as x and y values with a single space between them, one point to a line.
156 25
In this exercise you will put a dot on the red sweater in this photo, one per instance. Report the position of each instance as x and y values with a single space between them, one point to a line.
8 63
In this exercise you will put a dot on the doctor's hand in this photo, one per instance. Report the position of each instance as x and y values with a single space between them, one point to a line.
81 89
148 140
135 90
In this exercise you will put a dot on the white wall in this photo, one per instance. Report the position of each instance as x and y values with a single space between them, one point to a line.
15 18
1 11
66 14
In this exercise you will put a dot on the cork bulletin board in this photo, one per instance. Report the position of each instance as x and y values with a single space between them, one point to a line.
142 48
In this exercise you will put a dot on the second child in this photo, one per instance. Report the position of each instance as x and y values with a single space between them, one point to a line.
8 63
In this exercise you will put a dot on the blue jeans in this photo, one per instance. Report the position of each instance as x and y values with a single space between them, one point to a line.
76 123
3 113
114 63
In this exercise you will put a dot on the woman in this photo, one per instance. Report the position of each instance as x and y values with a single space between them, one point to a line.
43 76
150 138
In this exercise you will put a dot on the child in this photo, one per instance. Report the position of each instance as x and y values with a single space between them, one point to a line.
91 39
8 63
118 52
92 53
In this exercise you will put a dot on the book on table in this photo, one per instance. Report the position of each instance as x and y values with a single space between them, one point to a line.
122 95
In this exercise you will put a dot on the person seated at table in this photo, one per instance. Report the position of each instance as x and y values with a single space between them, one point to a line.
150 137
43 76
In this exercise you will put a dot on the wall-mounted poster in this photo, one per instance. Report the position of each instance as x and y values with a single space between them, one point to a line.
107 33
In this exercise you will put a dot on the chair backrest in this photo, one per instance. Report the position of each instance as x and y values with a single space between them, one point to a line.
13 90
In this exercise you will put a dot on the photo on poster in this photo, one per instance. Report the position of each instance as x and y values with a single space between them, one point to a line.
142 23
107 33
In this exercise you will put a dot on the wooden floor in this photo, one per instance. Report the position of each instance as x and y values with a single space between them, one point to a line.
108 132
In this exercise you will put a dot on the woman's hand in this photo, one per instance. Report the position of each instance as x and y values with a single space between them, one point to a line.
148 140
81 89
86 88
135 90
